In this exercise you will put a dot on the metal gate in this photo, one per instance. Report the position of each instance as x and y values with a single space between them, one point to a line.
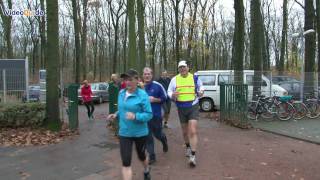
233 104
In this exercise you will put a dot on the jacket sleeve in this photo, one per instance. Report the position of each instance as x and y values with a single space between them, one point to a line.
146 113
163 94
172 87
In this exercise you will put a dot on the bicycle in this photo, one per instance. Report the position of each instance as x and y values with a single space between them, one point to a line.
268 107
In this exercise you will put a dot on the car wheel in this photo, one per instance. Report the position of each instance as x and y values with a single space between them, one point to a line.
206 105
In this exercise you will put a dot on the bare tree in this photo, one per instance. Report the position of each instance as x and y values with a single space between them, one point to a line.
52 120
255 48
6 21
132 34
238 43
283 36
310 43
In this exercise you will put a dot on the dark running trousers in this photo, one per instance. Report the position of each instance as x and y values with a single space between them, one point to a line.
90 108
126 144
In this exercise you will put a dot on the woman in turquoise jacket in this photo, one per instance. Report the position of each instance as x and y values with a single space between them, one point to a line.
134 112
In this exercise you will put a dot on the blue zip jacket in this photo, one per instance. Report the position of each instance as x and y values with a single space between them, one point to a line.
138 103
156 90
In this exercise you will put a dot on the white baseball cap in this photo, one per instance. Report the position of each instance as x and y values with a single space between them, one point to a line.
182 63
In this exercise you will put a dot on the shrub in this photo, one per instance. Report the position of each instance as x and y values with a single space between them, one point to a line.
22 115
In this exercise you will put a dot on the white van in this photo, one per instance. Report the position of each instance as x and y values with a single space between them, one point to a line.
211 80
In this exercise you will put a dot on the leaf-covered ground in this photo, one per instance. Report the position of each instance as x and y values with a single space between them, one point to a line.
30 137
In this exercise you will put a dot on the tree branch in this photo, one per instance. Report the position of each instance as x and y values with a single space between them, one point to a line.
301 5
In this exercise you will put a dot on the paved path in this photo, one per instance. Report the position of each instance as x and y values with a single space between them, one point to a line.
305 129
224 153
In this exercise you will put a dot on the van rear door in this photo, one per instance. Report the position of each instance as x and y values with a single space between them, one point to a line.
210 86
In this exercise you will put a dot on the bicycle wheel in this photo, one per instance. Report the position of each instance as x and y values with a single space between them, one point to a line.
251 110
266 111
313 109
284 111
300 110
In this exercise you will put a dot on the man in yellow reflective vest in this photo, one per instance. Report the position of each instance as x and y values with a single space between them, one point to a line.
185 89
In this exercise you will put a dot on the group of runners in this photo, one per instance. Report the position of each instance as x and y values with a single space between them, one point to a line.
138 107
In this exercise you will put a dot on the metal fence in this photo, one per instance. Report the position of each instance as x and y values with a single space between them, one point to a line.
233 108
272 83
14 80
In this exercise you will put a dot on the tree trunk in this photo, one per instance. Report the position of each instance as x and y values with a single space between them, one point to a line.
142 49
283 37
309 56
164 39
177 46
125 44
318 32
191 27
52 120
238 42
95 48
77 40
7 28
42 30
115 53
255 48
84 39
132 61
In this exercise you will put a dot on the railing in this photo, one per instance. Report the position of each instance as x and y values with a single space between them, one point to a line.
233 104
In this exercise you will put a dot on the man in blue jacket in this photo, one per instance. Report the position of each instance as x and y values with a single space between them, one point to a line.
157 96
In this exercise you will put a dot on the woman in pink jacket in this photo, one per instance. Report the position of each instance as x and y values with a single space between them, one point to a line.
86 95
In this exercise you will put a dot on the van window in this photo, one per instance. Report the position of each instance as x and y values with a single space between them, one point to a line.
208 80
226 79
249 80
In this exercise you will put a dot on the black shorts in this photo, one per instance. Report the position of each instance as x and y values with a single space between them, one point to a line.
126 144
188 113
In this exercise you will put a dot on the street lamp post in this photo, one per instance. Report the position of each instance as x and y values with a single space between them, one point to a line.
302 35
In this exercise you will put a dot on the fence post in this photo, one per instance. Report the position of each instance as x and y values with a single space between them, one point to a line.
27 78
270 94
4 86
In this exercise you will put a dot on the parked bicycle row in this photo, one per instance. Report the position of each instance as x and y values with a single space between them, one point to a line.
283 108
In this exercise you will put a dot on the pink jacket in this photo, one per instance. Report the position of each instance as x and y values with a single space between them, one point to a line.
86 93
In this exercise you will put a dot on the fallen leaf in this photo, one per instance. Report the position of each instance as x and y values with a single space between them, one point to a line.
264 163
277 173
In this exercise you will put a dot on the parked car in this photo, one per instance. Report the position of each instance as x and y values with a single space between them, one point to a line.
280 79
293 88
99 91
34 93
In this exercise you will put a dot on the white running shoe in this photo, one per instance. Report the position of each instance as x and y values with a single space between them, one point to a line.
188 151
192 161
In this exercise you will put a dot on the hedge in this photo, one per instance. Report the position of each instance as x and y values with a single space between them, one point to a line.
22 115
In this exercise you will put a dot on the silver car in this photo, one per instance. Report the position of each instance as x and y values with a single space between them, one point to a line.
99 91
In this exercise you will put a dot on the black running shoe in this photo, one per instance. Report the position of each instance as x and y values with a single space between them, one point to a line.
147 176
165 145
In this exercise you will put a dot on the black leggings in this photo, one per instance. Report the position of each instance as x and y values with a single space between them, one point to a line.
90 108
126 149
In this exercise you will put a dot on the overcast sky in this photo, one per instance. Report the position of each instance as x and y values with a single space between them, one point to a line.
228 4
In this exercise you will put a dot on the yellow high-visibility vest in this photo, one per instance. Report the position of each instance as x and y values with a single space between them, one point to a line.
185 87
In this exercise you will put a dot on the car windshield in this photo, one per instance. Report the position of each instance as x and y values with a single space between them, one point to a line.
94 86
